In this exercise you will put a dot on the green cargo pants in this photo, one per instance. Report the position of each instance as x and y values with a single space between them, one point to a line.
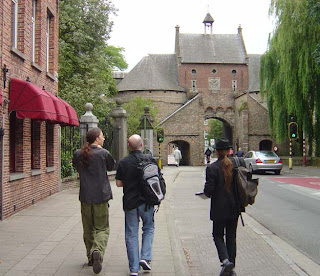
95 222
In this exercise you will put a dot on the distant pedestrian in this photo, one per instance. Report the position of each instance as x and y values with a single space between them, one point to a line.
134 206
177 156
240 153
208 153
92 162
224 211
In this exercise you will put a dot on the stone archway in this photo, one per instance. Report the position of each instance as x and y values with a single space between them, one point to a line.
265 145
185 151
226 128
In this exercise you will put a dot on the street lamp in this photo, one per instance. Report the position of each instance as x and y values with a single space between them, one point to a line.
146 129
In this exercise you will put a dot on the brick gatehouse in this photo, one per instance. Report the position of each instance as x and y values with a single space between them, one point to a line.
208 76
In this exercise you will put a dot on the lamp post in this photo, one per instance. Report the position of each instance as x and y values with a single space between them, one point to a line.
146 129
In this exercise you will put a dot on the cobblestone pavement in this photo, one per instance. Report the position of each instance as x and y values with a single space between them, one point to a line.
46 238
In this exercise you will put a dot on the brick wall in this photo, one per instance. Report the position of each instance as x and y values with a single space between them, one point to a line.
165 101
34 185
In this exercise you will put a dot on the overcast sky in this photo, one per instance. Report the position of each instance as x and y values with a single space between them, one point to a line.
145 27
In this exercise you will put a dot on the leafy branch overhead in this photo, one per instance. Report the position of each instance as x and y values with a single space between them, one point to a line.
289 73
86 60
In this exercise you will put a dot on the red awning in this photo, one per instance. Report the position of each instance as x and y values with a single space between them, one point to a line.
30 101
73 118
61 109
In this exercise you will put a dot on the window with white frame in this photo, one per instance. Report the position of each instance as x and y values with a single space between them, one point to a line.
47 42
193 85
14 23
234 85
33 33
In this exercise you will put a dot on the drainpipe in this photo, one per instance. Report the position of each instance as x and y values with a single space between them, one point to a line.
2 163
2 124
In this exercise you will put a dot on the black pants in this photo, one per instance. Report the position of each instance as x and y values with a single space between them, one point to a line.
226 248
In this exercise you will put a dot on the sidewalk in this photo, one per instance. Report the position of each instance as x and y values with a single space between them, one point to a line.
46 238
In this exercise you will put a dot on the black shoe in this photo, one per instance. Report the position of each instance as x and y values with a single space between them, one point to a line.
146 265
90 263
226 268
96 257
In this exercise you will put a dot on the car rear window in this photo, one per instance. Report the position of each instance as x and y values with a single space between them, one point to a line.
265 154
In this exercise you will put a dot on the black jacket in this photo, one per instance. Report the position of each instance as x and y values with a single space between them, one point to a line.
224 205
128 173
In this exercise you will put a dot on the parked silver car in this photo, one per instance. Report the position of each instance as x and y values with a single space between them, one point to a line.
258 161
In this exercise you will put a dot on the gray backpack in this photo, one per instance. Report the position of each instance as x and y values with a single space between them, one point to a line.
246 187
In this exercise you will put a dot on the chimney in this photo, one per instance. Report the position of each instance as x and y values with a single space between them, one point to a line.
177 45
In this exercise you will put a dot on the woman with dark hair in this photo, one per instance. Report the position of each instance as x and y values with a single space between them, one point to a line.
224 211
92 162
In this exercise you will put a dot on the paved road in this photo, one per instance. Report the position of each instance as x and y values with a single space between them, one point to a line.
289 206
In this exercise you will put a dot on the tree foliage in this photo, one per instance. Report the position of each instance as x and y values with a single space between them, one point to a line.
85 59
289 74
135 109
215 129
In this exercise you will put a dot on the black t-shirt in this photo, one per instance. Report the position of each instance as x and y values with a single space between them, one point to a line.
127 172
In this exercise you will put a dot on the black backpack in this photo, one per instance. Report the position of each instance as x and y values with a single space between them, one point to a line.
152 184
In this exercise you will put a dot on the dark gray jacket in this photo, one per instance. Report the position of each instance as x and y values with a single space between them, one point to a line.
224 205
94 182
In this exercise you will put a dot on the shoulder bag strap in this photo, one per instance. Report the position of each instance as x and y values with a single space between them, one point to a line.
237 161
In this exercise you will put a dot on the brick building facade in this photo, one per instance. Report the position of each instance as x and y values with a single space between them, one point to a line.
31 110
210 76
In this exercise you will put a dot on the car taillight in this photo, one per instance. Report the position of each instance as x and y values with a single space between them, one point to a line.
280 161
258 160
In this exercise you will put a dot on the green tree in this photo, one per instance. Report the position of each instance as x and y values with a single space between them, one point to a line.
135 109
313 10
85 60
215 129
288 74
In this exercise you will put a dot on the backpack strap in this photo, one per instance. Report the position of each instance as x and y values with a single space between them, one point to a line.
236 159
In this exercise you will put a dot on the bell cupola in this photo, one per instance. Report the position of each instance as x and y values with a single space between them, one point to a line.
208 20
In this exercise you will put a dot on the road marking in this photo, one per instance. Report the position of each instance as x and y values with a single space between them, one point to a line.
302 190
310 182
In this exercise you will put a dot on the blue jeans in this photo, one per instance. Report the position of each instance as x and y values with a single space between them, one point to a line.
131 235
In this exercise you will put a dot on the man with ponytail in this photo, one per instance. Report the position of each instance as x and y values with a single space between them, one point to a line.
224 211
92 162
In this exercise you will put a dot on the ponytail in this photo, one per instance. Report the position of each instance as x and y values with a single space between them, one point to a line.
85 156
226 168
86 151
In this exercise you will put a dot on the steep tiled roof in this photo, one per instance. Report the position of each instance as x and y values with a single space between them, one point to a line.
212 48
254 68
153 72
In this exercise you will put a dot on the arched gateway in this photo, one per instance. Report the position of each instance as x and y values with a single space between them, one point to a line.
208 76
